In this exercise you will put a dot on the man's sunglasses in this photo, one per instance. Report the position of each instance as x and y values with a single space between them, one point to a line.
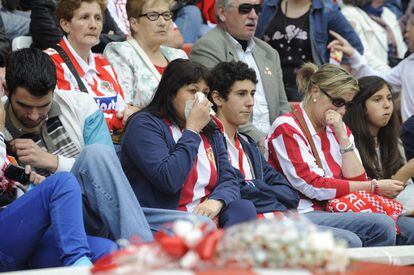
337 101
247 8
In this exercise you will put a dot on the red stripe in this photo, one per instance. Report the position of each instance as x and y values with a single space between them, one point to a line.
187 193
213 170
75 63
240 150
335 169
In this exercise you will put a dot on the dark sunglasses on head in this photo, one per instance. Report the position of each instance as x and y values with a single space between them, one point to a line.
247 8
153 15
337 101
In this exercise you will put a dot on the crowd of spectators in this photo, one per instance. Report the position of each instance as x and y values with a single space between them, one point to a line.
129 114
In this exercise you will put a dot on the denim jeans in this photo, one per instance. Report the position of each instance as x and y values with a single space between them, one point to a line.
372 229
406 225
47 253
23 224
189 21
16 23
110 206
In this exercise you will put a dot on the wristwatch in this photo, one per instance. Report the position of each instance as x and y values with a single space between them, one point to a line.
348 148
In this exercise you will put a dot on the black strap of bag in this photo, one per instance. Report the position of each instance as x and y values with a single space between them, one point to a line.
72 69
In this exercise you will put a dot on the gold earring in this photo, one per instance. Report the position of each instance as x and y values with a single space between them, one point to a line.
314 100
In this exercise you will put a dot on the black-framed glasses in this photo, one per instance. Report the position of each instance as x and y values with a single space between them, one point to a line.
247 8
153 15
337 101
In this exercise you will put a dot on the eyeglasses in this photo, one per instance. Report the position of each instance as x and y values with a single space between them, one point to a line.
337 101
153 15
247 8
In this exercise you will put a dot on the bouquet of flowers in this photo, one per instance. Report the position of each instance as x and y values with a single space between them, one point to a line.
279 242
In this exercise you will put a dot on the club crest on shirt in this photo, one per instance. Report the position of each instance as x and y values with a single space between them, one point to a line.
210 156
106 87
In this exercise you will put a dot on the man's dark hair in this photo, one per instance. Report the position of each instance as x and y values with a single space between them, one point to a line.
225 74
31 69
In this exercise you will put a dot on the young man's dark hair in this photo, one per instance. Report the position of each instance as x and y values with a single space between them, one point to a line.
225 74
31 69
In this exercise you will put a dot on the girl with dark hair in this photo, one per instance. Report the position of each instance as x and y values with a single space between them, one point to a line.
373 122
176 159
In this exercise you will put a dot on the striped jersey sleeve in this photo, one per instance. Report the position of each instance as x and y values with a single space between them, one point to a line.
291 154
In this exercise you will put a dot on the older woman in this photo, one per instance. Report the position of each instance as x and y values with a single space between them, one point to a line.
176 159
142 59
315 151
78 69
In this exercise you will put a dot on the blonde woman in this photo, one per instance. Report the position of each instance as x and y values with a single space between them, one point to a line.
141 60
314 149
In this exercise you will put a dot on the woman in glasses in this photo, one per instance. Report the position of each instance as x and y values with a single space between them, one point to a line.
80 70
299 31
314 149
141 60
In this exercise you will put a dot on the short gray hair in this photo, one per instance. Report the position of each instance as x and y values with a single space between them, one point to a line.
221 4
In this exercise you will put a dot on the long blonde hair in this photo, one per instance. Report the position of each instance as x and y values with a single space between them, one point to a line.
331 78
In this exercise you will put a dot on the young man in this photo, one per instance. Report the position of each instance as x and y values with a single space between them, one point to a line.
233 87
52 134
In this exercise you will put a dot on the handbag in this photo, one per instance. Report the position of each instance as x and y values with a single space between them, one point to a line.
358 201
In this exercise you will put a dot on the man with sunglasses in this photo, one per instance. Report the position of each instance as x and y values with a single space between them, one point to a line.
233 40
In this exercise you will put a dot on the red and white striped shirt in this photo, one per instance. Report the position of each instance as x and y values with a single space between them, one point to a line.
238 158
98 77
202 179
290 153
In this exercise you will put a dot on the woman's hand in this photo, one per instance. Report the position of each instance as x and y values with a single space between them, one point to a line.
199 115
127 112
389 188
334 119
341 44
209 208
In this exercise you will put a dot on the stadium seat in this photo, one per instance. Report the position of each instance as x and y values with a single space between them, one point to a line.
21 42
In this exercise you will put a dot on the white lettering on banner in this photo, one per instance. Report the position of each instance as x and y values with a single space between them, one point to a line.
351 197
341 207
360 204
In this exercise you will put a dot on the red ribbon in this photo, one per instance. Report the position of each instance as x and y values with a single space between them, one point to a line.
176 247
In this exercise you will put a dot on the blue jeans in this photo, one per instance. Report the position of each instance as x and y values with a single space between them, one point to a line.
406 225
110 206
189 21
55 202
16 23
372 229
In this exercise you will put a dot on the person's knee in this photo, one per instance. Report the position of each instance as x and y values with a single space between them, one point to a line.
350 238
62 181
238 211
384 227
97 150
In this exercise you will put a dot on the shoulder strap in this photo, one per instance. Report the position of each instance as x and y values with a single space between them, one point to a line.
72 69
305 129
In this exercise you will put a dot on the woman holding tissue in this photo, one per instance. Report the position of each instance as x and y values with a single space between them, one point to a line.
174 155
316 152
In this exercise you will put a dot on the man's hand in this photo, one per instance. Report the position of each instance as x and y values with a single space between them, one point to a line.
28 152
209 208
